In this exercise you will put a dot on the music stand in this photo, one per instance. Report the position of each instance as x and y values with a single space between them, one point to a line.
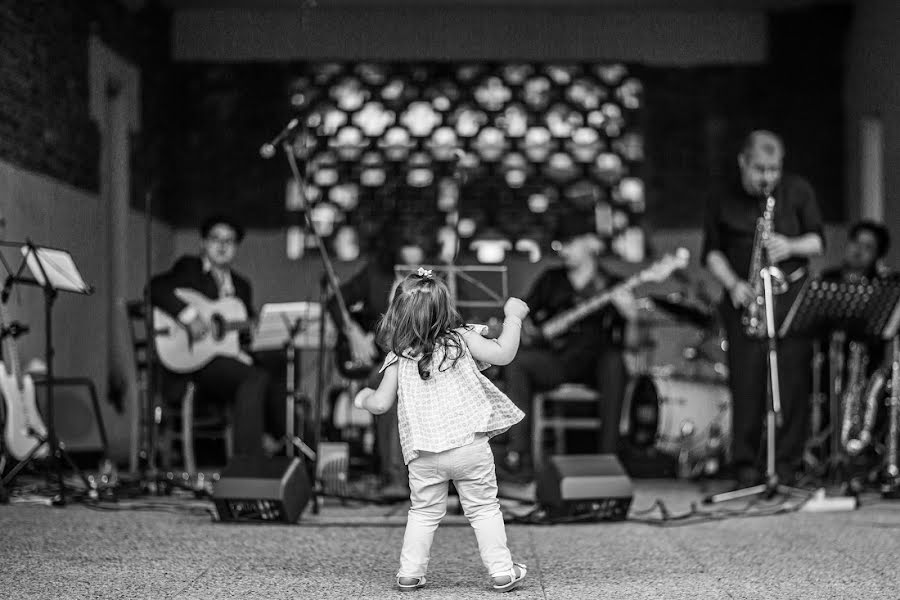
53 270
867 309
465 278
772 485
291 326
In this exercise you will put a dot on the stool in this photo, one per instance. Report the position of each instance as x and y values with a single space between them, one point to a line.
545 414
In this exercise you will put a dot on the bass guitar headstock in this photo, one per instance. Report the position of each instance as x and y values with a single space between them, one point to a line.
662 269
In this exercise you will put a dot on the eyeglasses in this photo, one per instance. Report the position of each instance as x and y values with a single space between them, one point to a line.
230 241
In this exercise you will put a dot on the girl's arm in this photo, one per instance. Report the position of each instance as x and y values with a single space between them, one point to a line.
502 350
379 401
498 351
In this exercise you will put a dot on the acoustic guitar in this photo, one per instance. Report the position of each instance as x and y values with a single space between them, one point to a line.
556 326
24 428
179 352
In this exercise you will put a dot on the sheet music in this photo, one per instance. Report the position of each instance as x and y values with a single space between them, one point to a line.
60 268
276 320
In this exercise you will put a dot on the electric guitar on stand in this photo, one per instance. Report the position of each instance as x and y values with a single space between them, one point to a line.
180 353
24 428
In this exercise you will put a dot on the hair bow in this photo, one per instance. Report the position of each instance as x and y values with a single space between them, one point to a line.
424 272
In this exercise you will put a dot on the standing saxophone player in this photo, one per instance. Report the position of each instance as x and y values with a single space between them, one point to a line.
736 236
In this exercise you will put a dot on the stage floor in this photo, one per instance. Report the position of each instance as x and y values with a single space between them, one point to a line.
170 548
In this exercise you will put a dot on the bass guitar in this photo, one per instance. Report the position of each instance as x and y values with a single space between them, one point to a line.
559 324
348 366
24 428
179 352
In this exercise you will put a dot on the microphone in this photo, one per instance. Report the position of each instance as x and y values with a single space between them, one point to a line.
267 150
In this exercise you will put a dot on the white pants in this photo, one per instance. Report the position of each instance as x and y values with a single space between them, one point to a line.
471 468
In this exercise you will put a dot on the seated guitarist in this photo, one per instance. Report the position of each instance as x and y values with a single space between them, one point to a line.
591 351
224 379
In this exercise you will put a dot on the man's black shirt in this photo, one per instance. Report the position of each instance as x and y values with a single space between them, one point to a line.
553 293
731 215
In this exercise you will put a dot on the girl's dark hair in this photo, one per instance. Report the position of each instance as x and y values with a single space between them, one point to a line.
420 319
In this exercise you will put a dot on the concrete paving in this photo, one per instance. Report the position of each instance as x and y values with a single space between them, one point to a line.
171 548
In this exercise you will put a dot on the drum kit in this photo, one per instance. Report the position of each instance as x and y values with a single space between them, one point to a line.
680 409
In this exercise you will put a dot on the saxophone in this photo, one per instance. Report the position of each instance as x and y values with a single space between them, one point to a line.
875 390
753 318
851 424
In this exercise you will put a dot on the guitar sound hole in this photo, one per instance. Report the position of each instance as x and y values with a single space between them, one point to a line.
217 324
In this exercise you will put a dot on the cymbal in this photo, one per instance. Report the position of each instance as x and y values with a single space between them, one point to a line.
684 311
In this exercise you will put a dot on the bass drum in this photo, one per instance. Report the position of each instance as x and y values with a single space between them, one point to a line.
687 418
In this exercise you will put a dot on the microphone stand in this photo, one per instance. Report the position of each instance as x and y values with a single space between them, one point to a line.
331 281
772 485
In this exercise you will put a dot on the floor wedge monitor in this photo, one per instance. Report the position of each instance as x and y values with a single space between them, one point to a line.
585 485
262 489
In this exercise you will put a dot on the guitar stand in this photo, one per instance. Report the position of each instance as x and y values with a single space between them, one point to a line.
62 277
59 499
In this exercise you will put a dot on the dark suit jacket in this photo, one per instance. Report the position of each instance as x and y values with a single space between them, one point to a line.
187 272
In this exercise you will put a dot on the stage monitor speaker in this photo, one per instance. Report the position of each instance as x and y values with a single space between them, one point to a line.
585 484
76 414
262 489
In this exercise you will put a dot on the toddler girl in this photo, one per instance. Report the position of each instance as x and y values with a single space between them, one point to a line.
447 412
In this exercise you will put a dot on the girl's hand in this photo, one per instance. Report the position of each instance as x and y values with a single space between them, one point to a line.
362 397
515 308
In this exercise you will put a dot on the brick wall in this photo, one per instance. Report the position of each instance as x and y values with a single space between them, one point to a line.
45 124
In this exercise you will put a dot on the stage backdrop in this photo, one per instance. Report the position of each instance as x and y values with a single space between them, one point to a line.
482 150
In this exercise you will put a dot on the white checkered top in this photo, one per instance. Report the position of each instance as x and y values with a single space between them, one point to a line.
449 408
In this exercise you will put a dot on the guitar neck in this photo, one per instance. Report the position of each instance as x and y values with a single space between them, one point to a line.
560 323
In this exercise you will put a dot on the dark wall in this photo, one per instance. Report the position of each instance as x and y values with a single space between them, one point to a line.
696 118
694 121
45 122
202 124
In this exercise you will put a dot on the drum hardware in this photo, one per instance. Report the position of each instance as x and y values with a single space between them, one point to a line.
700 361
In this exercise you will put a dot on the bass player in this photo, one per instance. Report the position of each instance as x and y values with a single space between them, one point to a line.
591 352
367 295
